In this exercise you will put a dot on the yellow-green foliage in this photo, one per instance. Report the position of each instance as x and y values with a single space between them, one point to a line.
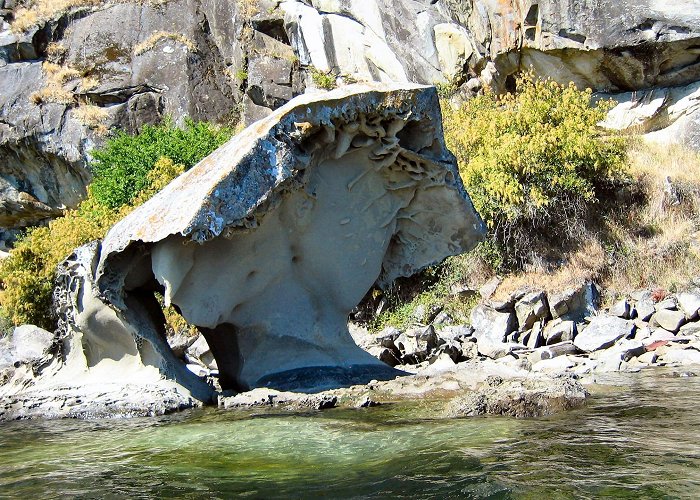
28 273
532 159
323 80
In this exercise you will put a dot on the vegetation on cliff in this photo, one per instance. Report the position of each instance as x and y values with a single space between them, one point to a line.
128 171
565 201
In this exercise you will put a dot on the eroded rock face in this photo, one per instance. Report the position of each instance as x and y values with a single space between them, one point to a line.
267 244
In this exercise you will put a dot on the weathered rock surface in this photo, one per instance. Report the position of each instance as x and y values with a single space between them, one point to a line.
217 61
155 60
521 398
266 246
602 332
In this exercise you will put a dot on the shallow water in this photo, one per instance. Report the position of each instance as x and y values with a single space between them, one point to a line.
640 439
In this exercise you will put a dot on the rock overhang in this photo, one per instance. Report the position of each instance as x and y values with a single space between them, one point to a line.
268 243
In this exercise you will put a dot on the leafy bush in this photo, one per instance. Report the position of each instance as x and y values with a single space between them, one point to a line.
323 80
533 161
120 168
128 171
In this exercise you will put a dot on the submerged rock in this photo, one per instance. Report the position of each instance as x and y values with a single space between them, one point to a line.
532 397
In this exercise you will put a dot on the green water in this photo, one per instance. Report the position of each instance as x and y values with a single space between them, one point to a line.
640 439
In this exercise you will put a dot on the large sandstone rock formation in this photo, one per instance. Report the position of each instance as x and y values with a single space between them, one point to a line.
266 245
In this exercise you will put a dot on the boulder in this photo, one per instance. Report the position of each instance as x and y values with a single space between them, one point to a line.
690 329
559 331
530 308
180 342
621 309
658 335
387 337
491 325
489 288
31 345
416 344
669 320
602 332
680 356
553 365
459 333
552 351
644 309
534 337
666 304
575 303
293 221
199 353
689 303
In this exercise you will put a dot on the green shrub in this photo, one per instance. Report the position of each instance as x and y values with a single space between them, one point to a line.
533 161
323 80
127 172
120 168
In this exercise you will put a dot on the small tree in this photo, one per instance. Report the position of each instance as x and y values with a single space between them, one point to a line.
533 162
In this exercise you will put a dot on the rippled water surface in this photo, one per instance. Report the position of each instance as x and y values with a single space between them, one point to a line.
640 439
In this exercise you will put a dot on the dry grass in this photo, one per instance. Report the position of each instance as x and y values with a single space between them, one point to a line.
88 83
54 91
587 263
650 243
247 8
42 10
153 40
60 74
55 51
52 94
90 115
658 240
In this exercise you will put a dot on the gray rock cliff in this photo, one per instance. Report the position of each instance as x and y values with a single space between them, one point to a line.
70 79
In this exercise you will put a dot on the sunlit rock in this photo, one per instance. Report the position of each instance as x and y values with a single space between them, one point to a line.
268 243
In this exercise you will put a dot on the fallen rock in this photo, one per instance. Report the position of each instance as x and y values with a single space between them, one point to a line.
552 351
414 345
669 320
680 356
200 353
666 304
689 303
530 308
575 303
32 345
490 325
180 342
690 329
602 332
644 309
658 335
559 364
489 288
621 309
559 331
534 338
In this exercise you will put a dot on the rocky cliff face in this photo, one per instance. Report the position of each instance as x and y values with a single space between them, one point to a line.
69 77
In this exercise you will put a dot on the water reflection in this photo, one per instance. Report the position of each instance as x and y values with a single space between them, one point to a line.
637 440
